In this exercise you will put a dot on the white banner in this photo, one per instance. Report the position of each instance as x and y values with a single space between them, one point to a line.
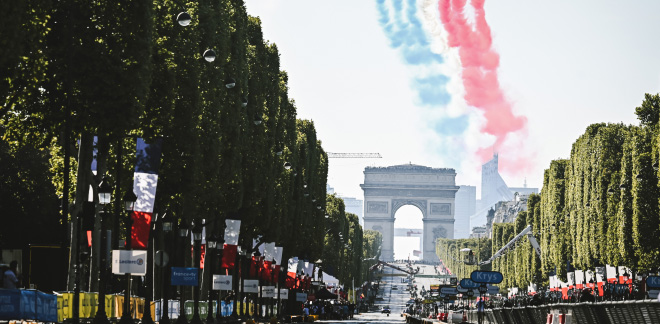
588 276
278 255
232 230
251 286
611 271
284 294
268 292
579 277
222 282
600 274
132 261
269 251
293 265
571 278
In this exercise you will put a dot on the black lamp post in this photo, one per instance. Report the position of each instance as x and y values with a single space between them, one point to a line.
183 241
105 194
129 201
146 316
166 227
211 245
197 240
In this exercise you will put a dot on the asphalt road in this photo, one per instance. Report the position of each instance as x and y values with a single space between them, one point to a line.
392 294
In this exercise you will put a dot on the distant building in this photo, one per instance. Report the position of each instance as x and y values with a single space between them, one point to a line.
493 190
466 206
354 206
478 232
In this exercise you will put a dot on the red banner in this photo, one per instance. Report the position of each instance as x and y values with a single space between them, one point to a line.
140 230
229 256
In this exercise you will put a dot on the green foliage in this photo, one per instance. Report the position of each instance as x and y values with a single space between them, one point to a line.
600 206
122 69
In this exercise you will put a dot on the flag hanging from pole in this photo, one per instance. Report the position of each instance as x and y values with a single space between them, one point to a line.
145 180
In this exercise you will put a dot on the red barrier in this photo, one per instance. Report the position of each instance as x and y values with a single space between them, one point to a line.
549 319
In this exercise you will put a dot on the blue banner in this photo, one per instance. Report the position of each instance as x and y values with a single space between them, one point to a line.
28 304
226 308
10 304
46 307
184 277
486 277
653 281
467 283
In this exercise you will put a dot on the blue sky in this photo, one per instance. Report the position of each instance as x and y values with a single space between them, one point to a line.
563 65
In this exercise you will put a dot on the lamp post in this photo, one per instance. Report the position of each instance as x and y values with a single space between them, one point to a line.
146 316
166 227
197 240
183 240
129 202
105 194
211 245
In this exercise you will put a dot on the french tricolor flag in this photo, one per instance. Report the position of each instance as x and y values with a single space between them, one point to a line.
145 180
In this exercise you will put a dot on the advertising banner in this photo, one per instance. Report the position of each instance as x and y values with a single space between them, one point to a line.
284 294
184 276
486 277
251 286
222 282
133 262
301 297
268 291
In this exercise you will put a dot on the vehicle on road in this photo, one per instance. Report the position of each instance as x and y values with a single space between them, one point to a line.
386 310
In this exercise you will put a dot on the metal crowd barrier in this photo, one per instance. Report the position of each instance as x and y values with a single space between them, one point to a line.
610 312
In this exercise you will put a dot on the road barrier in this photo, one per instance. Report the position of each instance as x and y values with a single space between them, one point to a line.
615 312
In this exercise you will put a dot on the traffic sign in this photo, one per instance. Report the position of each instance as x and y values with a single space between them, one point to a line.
486 276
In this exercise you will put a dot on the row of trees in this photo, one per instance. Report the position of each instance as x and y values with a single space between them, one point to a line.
232 145
462 263
600 206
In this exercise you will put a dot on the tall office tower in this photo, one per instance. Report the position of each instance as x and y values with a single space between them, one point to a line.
466 206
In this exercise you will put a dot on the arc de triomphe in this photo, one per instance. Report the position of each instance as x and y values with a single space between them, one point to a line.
432 190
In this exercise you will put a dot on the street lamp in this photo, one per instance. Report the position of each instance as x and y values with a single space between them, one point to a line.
197 240
183 18
166 228
129 204
211 245
183 239
105 194
209 55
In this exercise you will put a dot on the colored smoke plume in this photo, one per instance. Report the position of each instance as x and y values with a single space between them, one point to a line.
479 74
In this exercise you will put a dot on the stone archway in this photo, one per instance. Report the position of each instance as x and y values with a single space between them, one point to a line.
432 190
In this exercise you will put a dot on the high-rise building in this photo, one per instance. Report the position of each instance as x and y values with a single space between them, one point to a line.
494 190
466 206
354 206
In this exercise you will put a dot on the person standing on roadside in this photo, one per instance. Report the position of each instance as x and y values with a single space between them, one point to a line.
10 277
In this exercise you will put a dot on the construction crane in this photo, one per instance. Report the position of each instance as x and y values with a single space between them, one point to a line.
354 155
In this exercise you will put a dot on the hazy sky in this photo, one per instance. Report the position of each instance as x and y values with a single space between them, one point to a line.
562 64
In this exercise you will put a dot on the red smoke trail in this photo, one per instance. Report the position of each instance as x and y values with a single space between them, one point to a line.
480 63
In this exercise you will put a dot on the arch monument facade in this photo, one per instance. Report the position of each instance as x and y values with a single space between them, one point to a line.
432 190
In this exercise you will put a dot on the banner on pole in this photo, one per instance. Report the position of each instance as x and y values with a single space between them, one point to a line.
133 262
268 292
251 286
222 282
